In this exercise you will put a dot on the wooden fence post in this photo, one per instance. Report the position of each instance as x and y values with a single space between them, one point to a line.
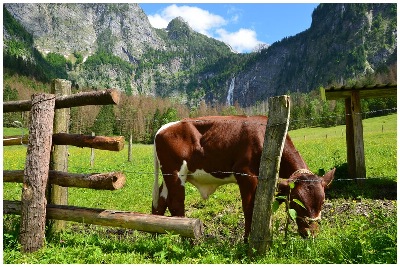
33 212
360 169
59 155
130 147
92 154
275 135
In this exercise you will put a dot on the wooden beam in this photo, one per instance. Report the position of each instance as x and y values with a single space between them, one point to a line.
98 142
373 91
106 97
115 143
99 181
186 227
15 140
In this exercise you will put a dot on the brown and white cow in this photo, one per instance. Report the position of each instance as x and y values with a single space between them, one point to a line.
211 151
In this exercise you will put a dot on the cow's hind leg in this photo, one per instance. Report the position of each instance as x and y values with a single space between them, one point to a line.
162 201
247 186
176 195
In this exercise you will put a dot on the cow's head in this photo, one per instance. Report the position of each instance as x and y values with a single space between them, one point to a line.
309 189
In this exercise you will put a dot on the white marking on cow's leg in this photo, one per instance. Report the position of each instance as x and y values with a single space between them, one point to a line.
164 191
156 190
183 173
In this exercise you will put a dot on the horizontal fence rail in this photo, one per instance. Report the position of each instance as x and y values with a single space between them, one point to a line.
115 143
100 181
106 97
187 227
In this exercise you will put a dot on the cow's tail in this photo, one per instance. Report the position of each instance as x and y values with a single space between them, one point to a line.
156 193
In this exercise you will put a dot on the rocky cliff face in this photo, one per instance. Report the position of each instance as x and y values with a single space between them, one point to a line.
122 29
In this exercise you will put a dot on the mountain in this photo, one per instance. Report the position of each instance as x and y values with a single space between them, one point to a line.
114 46
345 42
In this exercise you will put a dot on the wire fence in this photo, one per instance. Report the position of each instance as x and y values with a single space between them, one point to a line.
227 173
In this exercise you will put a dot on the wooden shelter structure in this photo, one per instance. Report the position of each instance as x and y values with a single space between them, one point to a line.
354 128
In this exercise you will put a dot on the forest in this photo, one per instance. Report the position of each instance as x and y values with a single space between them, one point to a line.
142 116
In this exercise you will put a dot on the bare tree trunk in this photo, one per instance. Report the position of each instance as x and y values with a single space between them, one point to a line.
130 146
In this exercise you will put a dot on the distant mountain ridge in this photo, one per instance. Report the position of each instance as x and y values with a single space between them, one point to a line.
114 45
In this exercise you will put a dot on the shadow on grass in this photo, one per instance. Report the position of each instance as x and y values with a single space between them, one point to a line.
372 188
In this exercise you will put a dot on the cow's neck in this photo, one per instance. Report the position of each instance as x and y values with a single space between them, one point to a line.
291 160
289 167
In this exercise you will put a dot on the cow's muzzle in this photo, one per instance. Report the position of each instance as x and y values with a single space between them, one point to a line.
308 226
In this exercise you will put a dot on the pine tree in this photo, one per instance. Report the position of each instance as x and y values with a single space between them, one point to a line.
105 121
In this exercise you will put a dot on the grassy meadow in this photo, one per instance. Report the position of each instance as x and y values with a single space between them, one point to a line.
359 225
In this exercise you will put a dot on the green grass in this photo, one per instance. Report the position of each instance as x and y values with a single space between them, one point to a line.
359 224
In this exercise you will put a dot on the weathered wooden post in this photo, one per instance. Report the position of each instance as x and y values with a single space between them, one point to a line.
59 154
92 154
275 135
350 139
33 210
130 147
359 157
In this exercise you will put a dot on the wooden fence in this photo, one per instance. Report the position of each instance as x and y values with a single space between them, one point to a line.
46 167
45 178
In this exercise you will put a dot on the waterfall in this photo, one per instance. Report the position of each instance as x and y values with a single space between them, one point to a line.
229 98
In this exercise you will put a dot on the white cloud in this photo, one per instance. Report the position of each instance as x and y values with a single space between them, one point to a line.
204 22
243 40
198 19
157 21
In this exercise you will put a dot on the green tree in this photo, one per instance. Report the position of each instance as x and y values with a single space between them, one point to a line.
105 121
10 94
159 119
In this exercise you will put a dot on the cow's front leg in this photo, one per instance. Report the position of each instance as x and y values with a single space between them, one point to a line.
176 195
247 187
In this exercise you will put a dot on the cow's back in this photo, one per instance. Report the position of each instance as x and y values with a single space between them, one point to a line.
212 143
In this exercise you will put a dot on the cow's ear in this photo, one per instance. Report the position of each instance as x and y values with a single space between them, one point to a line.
328 178
283 186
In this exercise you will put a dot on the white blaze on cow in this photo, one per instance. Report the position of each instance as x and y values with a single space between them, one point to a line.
212 151
207 183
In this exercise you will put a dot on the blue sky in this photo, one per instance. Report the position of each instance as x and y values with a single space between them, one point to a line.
242 26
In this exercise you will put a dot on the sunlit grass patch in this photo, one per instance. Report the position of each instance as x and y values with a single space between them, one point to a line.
356 226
